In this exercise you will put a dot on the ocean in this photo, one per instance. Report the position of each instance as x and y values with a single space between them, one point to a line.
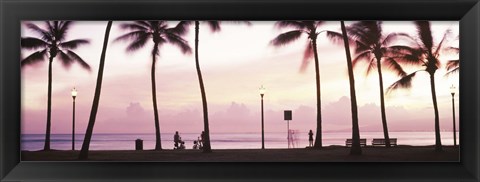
32 142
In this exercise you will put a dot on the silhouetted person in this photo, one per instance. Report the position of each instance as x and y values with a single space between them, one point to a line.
202 137
310 138
176 139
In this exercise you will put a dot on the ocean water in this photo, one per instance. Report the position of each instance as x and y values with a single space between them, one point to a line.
32 142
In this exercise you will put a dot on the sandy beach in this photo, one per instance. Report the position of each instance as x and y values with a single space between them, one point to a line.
327 154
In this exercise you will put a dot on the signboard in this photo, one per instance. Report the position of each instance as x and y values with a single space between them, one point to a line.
287 115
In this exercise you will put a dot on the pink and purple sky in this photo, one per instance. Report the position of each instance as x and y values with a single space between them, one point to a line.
235 62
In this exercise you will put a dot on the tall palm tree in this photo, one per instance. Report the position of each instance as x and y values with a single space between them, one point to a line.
214 27
96 98
356 149
50 43
159 32
424 54
310 29
372 46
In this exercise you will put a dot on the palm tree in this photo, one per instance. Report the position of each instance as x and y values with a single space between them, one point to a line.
423 54
310 29
159 33
51 42
372 46
214 27
356 149
96 98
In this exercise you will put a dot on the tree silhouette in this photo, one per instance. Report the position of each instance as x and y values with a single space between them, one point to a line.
424 54
372 46
96 99
356 148
51 42
159 33
310 29
214 27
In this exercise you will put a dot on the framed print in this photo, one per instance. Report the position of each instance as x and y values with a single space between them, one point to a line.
239 90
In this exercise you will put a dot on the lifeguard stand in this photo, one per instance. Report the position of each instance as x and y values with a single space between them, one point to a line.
291 134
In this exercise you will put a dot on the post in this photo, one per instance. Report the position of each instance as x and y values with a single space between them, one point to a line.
454 128
288 133
73 125
263 135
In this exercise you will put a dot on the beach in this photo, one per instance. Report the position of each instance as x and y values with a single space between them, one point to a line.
327 154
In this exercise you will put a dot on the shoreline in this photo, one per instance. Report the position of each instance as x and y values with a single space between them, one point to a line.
326 154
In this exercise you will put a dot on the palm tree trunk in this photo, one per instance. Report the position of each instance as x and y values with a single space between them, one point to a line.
96 99
382 103
206 140
438 142
158 141
318 137
356 149
49 105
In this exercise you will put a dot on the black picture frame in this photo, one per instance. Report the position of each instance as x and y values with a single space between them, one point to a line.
13 11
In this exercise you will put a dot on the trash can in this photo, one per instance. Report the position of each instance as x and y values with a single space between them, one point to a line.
138 144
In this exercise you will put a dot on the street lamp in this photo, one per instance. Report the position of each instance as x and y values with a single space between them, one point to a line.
452 91
262 92
74 95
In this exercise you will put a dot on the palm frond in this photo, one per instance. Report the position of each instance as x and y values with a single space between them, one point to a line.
307 55
180 43
372 65
73 44
134 26
44 33
63 28
214 25
361 47
132 35
335 37
395 36
33 43
181 28
139 42
145 24
453 64
286 38
293 24
404 82
65 59
394 66
366 55
405 55
425 34
78 59
34 58
453 49
439 47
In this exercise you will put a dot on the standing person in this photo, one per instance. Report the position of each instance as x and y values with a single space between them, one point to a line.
310 138
176 139
202 137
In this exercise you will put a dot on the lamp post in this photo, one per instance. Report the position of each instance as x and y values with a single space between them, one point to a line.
262 92
74 95
452 91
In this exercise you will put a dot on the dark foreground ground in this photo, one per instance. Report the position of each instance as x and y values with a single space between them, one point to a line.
332 153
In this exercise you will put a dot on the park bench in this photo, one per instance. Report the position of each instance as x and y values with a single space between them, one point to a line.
363 142
381 141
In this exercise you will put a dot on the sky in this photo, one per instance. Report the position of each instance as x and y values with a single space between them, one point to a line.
235 62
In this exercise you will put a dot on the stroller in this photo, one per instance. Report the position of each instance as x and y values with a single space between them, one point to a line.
197 144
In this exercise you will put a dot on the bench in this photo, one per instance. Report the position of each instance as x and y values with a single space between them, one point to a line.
381 141
363 142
